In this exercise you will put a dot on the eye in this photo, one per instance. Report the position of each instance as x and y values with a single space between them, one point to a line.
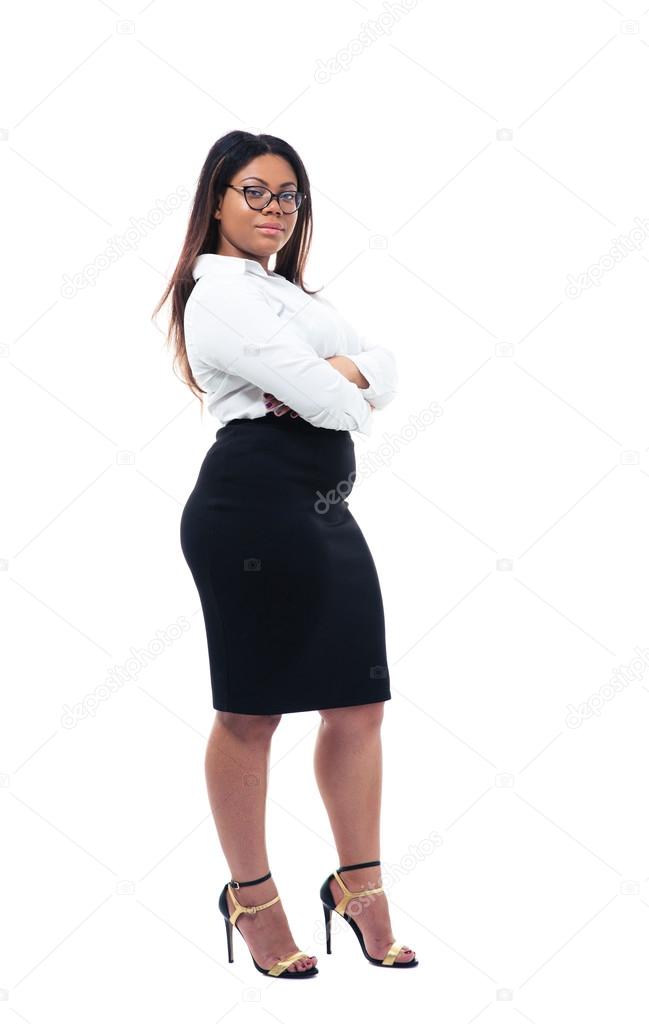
252 191
288 195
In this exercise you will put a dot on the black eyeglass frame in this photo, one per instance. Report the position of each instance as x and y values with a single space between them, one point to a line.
273 195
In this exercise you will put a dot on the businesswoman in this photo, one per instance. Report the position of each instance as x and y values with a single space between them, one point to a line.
289 591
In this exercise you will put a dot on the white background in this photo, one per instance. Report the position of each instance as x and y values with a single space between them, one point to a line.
467 162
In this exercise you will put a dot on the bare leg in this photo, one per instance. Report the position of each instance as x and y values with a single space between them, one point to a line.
236 772
348 768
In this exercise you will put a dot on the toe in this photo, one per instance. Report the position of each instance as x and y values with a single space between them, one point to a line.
302 965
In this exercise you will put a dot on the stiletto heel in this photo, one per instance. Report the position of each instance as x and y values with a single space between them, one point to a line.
228 935
327 915
278 970
329 904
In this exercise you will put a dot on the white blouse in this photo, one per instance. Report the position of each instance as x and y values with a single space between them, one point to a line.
248 331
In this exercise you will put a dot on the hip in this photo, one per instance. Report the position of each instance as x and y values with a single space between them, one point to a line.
278 458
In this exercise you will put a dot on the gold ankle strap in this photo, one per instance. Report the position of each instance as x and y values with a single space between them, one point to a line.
349 895
239 909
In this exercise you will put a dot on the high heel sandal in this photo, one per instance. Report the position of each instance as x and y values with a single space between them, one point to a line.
278 970
329 904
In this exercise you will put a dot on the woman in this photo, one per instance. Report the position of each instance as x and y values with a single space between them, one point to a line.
289 591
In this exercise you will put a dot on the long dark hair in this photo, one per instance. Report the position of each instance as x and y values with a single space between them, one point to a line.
228 155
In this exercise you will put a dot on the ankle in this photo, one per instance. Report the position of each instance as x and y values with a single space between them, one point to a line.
361 878
253 895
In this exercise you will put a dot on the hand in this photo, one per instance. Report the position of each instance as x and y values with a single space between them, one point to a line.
278 408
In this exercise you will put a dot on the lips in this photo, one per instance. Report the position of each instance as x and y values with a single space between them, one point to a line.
270 227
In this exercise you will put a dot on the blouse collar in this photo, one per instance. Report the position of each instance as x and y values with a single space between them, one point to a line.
212 262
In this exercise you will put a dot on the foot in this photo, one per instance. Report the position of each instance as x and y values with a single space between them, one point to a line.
267 933
370 913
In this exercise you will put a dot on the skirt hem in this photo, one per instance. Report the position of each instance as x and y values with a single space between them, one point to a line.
310 707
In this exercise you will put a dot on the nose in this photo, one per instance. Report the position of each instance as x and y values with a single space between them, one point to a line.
276 201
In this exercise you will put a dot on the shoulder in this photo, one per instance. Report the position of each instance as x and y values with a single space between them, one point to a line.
224 308
219 286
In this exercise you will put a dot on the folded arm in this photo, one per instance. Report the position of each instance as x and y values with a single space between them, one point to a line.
377 374
379 368
349 369
230 326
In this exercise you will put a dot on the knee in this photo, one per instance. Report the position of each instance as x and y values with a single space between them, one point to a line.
366 717
249 726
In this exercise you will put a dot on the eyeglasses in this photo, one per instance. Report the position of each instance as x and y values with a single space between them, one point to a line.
258 198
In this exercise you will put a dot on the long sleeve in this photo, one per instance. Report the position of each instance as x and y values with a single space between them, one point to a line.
231 326
378 365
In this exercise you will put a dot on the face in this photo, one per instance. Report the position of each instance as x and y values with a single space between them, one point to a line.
242 229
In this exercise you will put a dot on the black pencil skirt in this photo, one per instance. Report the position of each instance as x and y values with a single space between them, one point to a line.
289 590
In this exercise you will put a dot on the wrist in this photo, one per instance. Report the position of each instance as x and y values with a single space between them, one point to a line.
348 368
